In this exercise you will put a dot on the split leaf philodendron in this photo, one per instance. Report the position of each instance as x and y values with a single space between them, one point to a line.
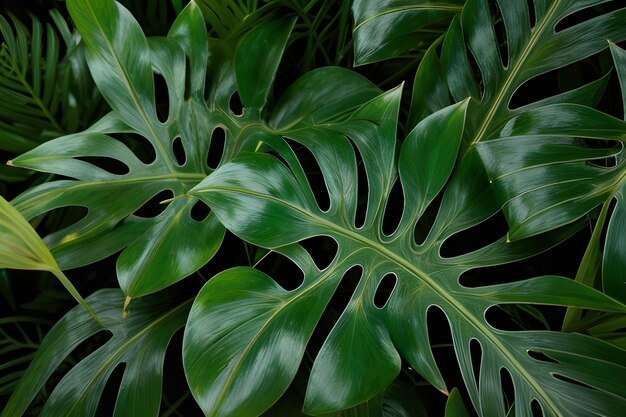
288 235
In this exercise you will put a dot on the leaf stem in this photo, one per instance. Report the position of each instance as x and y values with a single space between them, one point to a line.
74 292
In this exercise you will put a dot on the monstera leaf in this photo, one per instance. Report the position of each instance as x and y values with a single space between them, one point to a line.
110 179
138 341
244 329
474 61
387 29
557 177
550 176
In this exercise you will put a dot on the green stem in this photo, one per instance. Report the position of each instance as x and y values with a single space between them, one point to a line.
72 290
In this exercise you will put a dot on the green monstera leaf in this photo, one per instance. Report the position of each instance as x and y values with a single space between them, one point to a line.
112 179
558 177
490 53
139 341
244 329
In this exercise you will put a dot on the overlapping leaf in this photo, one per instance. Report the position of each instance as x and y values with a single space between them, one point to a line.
387 29
139 341
545 175
259 330
158 250
474 62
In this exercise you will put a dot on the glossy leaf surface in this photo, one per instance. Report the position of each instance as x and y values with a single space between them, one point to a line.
507 58
387 29
139 341
113 179
271 204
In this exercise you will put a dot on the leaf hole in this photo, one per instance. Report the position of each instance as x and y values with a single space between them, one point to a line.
110 165
427 220
393 209
476 72
475 237
162 98
536 409
608 162
313 173
586 14
153 206
323 250
106 404
179 151
539 356
440 338
282 270
141 147
336 306
216 147
508 389
235 105
200 211
362 189
572 381
499 32
531 12
187 94
476 352
499 319
384 290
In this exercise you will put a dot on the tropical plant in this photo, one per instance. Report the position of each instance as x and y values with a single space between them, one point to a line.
292 237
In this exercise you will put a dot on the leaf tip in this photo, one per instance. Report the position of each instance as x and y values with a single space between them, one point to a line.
10 163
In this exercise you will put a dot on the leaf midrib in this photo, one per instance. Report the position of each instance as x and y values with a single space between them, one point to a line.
124 347
536 33
241 357
129 86
411 269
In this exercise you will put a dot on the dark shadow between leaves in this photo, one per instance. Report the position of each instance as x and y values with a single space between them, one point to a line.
153 207
475 237
282 270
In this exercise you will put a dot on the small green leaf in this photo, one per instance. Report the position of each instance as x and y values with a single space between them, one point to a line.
22 248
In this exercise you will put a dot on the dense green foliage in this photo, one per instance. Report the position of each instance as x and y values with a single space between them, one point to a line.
290 207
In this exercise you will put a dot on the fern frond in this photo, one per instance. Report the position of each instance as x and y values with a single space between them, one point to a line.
43 80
